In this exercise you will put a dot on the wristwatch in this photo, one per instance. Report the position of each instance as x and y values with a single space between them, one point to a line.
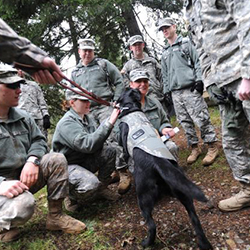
34 160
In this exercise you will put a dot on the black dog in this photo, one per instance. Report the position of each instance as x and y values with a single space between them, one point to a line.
155 170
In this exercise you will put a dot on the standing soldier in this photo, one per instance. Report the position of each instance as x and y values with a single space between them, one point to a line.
182 78
142 61
221 31
101 77
32 101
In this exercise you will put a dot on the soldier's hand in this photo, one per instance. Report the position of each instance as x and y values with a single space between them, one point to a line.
46 122
114 116
199 86
29 174
244 89
13 188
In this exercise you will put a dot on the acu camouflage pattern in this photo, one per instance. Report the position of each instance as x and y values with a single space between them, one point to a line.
150 65
143 135
191 109
14 48
221 31
222 27
53 173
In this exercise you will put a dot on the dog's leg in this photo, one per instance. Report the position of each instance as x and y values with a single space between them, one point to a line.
203 242
147 192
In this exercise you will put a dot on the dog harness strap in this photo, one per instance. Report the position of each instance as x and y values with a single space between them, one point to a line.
143 135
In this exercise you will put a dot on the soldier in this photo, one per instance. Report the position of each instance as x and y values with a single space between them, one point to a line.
182 78
32 101
101 77
221 32
83 144
142 61
25 168
152 108
25 55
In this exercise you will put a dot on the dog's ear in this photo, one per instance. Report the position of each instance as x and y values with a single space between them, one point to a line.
123 94
136 95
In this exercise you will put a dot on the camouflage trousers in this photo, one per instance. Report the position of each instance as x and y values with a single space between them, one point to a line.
191 109
236 135
84 183
101 113
53 173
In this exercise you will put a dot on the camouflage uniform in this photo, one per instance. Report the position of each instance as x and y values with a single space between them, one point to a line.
150 65
221 31
28 141
83 145
32 101
180 72
103 79
14 48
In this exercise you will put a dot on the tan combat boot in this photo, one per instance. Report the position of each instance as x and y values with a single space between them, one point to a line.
236 202
9 235
125 181
212 153
71 205
56 220
108 194
194 154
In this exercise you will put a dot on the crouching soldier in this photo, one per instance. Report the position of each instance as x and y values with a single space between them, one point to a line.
83 144
25 167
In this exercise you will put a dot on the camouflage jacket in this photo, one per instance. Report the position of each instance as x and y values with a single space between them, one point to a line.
180 69
32 100
221 29
155 113
143 135
75 137
94 79
20 138
14 48
150 65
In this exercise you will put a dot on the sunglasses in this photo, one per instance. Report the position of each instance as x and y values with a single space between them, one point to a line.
16 85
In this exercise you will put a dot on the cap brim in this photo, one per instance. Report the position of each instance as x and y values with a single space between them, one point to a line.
87 47
164 25
136 41
140 77
12 79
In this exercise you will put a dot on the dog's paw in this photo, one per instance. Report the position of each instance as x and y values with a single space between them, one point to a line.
147 242
205 245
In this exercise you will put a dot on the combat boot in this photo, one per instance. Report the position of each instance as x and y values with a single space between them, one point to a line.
236 202
212 153
71 205
194 154
56 220
108 194
9 235
125 181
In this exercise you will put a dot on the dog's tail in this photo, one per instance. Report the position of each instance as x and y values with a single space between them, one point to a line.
175 178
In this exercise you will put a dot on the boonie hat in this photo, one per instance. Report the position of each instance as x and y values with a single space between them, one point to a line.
9 75
72 95
86 43
165 22
136 74
135 39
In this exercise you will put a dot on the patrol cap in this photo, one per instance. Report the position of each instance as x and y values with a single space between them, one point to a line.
72 95
136 74
86 43
9 75
135 39
165 22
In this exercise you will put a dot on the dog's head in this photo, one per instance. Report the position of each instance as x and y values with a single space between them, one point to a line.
129 101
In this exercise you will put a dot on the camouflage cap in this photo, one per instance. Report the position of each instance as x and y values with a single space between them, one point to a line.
136 74
9 75
72 95
135 39
165 22
86 43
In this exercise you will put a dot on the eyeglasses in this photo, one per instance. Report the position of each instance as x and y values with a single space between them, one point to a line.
16 85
